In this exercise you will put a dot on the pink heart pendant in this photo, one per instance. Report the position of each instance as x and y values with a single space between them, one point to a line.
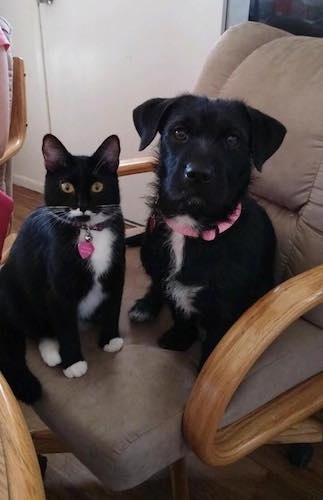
85 249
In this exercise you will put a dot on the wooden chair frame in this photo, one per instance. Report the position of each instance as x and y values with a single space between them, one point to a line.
17 131
282 419
286 419
18 121
20 477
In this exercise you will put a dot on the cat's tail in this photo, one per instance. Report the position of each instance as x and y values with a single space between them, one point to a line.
23 383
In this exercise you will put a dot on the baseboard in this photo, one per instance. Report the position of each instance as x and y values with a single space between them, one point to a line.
21 180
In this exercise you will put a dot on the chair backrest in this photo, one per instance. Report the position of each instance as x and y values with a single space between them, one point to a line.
282 75
18 121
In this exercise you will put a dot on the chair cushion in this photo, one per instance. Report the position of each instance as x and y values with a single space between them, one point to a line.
123 418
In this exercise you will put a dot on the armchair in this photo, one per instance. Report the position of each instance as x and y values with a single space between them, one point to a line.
263 382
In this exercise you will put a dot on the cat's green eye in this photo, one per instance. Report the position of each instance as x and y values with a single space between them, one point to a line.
67 187
97 187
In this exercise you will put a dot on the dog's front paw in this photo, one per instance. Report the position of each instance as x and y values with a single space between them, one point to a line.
143 311
175 341
114 345
76 370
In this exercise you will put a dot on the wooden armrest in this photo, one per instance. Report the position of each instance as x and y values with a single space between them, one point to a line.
19 469
227 366
137 166
18 121
8 242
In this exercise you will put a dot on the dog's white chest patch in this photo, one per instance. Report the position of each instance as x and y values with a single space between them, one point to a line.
182 295
177 242
99 263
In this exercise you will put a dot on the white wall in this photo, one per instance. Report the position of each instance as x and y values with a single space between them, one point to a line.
23 15
110 58
237 12
101 61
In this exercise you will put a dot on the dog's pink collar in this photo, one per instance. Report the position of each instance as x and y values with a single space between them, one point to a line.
209 234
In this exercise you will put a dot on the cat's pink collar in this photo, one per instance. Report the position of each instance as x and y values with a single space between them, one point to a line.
209 234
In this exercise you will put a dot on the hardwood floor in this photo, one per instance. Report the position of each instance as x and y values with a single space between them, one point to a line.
25 201
264 475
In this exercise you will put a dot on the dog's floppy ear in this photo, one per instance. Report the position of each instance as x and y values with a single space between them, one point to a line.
267 134
147 118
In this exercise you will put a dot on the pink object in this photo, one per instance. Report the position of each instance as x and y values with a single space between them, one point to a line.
3 40
209 234
85 249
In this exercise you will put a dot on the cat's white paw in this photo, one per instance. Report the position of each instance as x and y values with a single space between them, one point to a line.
76 370
114 345
49 351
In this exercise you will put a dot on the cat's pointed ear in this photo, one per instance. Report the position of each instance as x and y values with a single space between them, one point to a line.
55 154
107 155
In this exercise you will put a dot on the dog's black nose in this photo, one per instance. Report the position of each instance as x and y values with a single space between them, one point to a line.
196 173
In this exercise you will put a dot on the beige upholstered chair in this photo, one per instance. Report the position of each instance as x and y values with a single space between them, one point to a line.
263 382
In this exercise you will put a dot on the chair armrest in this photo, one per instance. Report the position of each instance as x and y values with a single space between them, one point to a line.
137 166
233 357
19 469
18 122
8 242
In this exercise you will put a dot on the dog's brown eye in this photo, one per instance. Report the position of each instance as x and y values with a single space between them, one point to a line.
180 134
232 141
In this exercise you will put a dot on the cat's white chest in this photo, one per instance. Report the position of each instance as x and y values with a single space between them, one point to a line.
99 263
101 258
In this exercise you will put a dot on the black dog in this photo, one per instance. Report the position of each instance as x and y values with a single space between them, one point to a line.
208 247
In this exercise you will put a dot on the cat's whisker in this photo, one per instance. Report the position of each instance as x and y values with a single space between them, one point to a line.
51 221
109 206
108 209
57 206
41 224
40 216
60 215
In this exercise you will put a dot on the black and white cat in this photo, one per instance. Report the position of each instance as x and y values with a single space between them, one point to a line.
66 264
